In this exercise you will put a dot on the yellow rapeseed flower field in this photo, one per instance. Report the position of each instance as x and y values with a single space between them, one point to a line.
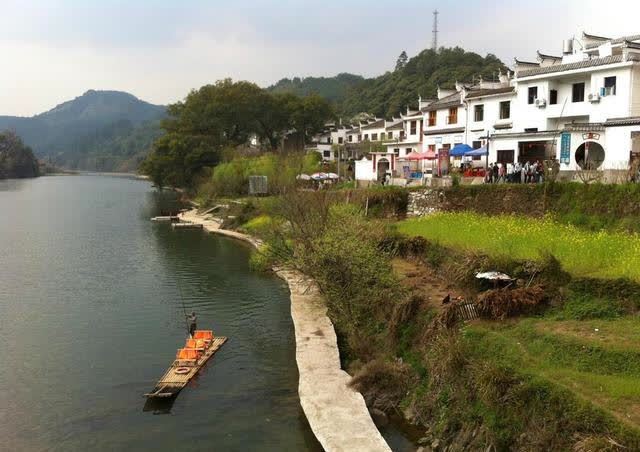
596 254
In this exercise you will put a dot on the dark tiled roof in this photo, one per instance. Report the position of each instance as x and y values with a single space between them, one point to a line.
489 92
548 57
595 37
531 135
397 126
630 121
374 125
526 63
612 41
452 100
579 65
443 131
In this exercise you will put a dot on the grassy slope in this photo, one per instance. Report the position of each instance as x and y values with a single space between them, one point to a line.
589 345
582 253
592 366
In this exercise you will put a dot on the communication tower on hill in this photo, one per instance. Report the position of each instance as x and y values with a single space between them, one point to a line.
434 43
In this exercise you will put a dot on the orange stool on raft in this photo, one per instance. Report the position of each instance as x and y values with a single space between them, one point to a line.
206 335
187 354
197 344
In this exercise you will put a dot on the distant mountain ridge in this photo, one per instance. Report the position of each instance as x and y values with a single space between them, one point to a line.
97 131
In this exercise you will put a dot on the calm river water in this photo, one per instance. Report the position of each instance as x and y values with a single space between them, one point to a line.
90 317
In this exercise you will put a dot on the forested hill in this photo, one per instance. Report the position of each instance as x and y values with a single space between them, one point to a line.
333 89
98 131
392 92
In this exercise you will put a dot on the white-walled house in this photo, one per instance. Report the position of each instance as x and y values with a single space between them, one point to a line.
444 121
583 106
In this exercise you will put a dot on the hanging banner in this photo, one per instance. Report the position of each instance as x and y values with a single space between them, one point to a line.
565 148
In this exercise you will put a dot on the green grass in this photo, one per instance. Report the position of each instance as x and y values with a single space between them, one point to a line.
582 253
601 366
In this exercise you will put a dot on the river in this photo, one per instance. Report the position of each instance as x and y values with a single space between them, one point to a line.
91 316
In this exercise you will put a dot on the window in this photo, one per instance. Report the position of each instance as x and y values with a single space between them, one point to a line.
396 151
374 137
402 134
359 137
533 94
432 118
476 144
478 113
340 140
414 127
390 135
477 157
453 116
505 156
553 96
578 92
350 138
326 154
432 148
609 86
366 137
407 151
530 130
505 109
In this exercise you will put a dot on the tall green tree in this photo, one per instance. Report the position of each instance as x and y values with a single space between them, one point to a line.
16 159
402 60
224 116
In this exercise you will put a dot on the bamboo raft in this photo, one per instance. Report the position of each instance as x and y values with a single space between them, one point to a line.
186 225
188 362
166 218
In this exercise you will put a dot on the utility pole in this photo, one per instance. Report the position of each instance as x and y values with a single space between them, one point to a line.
434 43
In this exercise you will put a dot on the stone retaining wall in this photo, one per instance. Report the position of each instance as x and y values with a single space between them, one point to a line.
425 202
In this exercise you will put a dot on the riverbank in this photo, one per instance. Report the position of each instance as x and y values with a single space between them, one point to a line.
337 414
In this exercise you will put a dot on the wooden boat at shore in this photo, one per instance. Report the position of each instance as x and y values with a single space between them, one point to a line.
189 360
166 218
186 225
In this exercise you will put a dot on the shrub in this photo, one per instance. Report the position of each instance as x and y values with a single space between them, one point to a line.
382 383
503 303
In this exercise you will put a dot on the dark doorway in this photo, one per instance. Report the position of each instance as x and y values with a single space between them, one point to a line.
590 155
532 151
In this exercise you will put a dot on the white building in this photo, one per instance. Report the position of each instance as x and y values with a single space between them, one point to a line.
582 109
444 120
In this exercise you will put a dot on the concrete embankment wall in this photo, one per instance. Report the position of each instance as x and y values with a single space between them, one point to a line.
337 414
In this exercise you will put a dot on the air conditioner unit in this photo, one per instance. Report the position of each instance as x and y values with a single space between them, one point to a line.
541 103
594 97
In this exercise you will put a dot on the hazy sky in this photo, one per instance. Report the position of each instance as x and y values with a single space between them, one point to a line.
54 50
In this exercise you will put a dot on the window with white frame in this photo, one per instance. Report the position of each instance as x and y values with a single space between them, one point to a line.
610 86
478 113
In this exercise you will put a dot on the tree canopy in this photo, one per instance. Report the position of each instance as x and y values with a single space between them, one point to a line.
16 159
227 115
392 92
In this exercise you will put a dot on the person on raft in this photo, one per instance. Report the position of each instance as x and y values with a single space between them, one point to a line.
192 323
